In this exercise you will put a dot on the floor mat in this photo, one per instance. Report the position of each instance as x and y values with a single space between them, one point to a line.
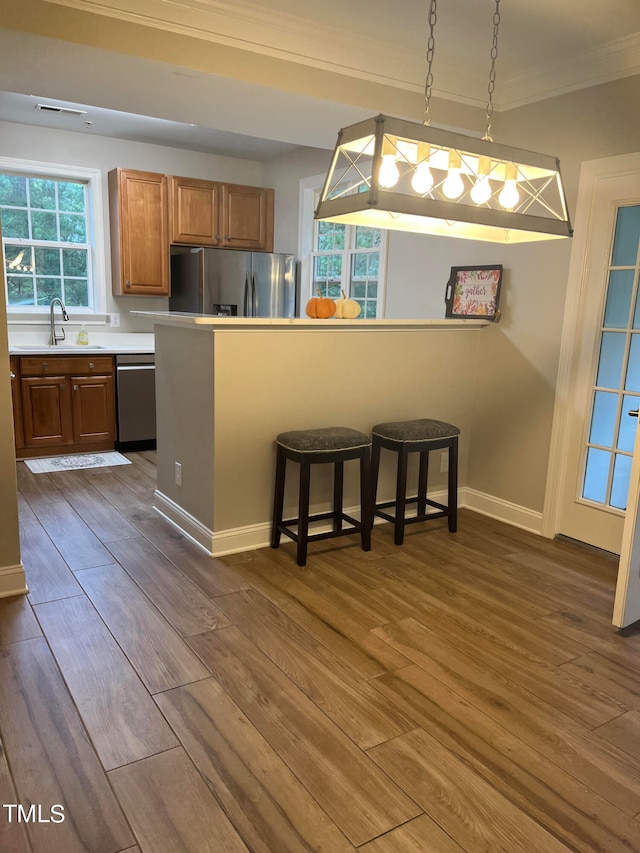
75 462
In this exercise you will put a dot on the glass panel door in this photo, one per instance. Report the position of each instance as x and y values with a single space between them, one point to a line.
609 446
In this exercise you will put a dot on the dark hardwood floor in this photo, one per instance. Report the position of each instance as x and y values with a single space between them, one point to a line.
461 694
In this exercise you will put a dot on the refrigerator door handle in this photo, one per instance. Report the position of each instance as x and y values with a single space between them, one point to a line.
254 296
247 312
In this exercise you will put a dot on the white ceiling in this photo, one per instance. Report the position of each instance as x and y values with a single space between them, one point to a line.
546 48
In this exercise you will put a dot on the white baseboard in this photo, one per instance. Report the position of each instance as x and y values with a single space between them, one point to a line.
13 581
186 523
253 536
501 510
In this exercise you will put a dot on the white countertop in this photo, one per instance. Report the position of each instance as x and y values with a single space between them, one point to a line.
107 343
176 318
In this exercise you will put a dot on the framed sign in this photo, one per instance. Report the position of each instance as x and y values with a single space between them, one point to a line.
474 292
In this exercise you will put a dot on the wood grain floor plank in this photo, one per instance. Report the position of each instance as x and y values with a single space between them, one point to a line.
171 809
51 758
176 597
79 547
405 578
13 837
548 793
210 575
36 488
418 836
356 795
17 621
138 481
471 811
624 732
604 768
609 677
158 654
484 576
355 707
143 463
477 638
48 575
121 496
104 520
266 803
354 644
600 635
117 711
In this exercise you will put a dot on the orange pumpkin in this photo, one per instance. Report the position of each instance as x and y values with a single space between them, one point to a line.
320 307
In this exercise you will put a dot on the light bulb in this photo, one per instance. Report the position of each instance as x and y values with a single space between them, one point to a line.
388 176
481 191
453 186
422 180
509 197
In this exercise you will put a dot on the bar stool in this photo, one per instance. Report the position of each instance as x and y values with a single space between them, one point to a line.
309 447
418 436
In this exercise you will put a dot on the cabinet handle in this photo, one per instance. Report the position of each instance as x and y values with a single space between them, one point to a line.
127 284
75 387
44 364
91 365
12 374
226 236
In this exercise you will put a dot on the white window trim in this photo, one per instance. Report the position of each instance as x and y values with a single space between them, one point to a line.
93 177
309 187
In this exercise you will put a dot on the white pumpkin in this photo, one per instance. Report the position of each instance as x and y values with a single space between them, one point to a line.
347 309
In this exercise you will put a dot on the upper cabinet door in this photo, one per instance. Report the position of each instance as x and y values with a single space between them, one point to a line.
195 208
247 218
139 233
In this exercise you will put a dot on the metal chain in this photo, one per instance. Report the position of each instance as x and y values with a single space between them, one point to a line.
430 49
492 70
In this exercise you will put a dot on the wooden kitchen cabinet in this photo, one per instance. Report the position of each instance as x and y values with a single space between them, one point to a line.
194 211
232 216
247 217
67 404
139 213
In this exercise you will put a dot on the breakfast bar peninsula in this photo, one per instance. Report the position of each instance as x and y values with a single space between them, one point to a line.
226 386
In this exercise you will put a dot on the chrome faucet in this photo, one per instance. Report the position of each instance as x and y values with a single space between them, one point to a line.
53 337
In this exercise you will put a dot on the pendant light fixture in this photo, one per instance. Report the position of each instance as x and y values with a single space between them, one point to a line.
396 174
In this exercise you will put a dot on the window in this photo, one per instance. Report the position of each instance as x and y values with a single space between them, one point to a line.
47 219
337 257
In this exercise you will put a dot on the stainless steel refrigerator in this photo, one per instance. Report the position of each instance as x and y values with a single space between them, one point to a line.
229 283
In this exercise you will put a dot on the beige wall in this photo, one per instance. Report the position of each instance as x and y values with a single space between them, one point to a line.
12 578
272 381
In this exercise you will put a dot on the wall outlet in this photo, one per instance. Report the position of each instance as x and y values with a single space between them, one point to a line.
114 321
444 462
178 473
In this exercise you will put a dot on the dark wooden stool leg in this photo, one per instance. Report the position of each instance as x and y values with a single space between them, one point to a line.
278 497
303 513
453 485
366 515
373 477
338 481
423 476
401 494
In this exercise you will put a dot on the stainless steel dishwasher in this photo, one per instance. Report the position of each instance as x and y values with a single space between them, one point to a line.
136 401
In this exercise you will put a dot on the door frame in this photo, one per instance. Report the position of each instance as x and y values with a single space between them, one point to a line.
592 174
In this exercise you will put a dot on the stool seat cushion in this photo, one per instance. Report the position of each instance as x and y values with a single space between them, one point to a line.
422 429
326 440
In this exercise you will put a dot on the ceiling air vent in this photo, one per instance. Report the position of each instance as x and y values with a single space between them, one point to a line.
67 111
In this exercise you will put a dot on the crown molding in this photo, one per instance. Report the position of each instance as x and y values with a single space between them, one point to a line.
618 59
247 26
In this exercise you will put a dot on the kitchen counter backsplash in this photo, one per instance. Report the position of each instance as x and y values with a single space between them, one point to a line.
107 342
